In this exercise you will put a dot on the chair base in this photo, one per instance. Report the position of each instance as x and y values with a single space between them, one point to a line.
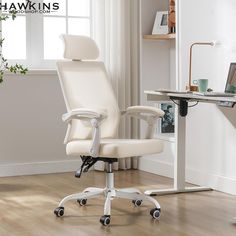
110 193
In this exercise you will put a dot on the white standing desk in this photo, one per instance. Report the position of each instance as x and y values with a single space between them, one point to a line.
180 132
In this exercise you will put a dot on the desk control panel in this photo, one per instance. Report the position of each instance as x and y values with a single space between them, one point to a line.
226 104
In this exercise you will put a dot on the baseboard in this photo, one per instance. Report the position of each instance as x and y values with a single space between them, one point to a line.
216 182
17 169
156 167
220 183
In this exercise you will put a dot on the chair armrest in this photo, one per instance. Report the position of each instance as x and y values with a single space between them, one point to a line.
94 117
147 113
84 114
153 111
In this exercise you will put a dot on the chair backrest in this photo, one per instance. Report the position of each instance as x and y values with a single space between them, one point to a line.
85 84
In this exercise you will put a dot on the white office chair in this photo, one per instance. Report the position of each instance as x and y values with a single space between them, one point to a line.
93 119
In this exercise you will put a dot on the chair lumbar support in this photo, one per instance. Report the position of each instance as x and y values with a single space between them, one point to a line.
110 193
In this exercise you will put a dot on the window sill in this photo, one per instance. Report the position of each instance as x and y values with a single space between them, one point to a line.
32 72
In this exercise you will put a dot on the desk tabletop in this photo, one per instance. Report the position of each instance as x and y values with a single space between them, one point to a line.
153 95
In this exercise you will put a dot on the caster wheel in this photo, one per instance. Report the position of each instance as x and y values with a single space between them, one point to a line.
155 213
82 201
105 220
137 202
59 211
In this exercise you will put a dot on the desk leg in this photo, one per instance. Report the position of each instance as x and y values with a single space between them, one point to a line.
234 220
179 161
179 164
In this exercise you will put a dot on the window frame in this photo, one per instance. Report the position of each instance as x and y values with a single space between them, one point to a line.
35 38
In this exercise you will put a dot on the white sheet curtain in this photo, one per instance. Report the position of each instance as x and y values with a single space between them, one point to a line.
116 30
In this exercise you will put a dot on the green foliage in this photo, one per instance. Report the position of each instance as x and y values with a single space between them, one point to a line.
4 66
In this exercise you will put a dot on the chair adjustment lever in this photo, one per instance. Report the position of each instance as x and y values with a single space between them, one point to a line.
88 162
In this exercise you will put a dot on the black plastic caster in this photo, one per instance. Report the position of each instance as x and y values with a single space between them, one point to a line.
59 211
105 220
137 202
155 213
82 201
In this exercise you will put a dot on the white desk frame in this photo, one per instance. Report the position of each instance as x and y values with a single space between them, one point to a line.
180 130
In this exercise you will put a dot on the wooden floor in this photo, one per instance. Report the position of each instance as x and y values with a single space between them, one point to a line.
27 204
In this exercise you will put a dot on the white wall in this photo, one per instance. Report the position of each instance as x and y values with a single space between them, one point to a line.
157 70
155 56
211 130
31 129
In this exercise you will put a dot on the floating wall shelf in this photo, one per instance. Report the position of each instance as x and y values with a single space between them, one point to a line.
159 36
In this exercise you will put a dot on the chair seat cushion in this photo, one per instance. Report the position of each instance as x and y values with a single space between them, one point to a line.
116 148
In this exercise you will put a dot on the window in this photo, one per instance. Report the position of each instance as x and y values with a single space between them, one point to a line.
38 44
14 49
73 18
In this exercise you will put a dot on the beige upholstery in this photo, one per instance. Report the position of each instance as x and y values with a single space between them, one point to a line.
93 120
85 50
85 85
117 148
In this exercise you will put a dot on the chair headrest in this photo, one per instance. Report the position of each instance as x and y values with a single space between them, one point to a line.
80 47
